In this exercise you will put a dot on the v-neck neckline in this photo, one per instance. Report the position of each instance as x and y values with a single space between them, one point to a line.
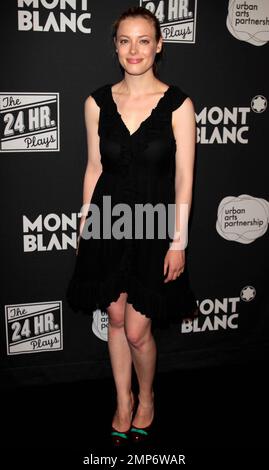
145 120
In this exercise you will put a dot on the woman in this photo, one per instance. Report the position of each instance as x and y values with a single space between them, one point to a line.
141 146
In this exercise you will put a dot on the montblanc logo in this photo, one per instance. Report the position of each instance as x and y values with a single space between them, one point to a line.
259 104
219 313
248 293
177 19
215 314
49 232
54 15
217 125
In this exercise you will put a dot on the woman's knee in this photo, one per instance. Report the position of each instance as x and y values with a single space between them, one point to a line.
138 337
116 311
137 327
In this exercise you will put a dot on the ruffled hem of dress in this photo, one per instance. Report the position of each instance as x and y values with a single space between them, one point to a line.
88 296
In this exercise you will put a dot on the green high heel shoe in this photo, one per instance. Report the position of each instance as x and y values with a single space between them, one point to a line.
141 434
120 438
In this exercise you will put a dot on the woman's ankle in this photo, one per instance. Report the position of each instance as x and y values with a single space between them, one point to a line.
124 398
146 399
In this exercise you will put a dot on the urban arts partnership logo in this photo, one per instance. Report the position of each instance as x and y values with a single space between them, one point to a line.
242 219
29 122
249 21
218 314
177 18
34 327
100 324
54 15
218 125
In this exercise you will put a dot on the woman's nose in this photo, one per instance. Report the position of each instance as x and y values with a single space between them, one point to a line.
133 48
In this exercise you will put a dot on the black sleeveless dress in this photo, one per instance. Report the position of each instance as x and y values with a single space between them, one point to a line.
138 168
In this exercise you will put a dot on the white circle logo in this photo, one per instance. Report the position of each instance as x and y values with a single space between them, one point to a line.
99 324
259 104
248 293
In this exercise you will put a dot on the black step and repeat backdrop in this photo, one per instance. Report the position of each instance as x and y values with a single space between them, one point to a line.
54 53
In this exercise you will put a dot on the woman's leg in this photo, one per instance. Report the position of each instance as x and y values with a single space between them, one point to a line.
143 350
121 362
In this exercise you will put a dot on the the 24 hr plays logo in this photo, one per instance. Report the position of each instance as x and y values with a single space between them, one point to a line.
29 122
34 327
177 18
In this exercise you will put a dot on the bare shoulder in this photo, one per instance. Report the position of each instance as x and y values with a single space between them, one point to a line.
187 107
90 103
183 118
91 110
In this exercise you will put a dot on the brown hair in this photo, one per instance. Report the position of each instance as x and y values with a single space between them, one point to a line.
134 12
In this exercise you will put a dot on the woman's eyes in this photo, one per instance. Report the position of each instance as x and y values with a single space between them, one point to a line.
143 41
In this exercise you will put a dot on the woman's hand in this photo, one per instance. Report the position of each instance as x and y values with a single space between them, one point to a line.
174 261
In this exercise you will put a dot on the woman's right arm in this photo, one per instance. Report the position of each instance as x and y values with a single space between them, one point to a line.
94 166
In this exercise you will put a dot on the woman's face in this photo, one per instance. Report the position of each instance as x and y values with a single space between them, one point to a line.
136 45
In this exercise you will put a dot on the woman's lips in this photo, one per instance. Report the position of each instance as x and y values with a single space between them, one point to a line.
134 61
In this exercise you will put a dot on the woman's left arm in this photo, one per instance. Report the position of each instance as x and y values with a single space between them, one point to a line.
184 128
